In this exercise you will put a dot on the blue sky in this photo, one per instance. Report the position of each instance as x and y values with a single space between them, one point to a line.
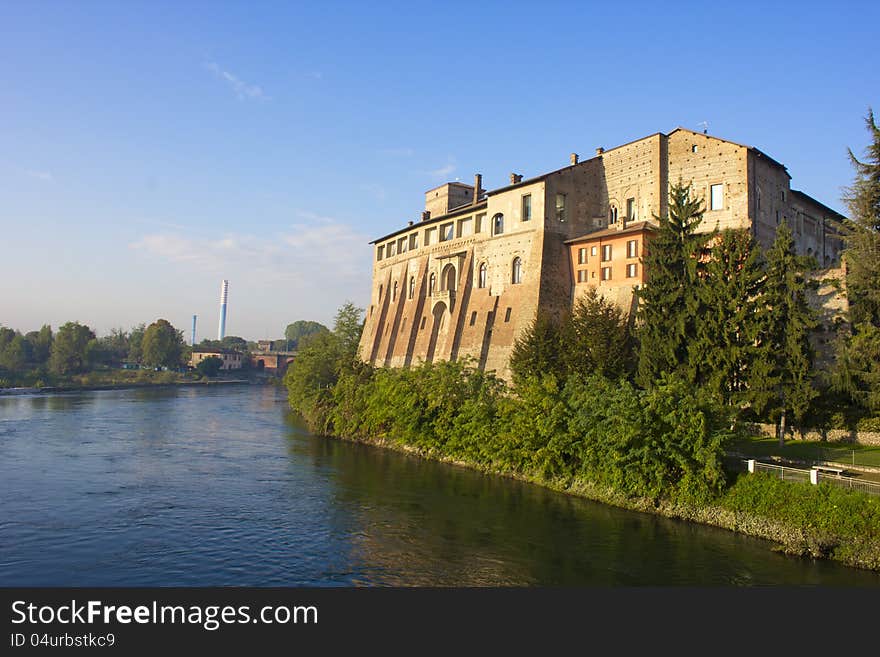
149 150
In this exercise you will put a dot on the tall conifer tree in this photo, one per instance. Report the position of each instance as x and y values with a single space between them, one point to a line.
784 385
862 251
727 347
668 302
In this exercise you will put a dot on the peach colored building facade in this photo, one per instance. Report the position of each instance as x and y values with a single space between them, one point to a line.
610 261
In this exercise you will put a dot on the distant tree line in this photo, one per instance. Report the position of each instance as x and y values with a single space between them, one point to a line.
75 349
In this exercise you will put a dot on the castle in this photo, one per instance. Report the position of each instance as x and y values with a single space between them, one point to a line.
468 279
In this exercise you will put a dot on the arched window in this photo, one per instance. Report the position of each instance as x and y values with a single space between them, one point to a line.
612 214
394 292
498 224
432 282
517 270
447 279
481 280
412 286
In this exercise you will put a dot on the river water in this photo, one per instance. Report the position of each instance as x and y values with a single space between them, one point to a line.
223 486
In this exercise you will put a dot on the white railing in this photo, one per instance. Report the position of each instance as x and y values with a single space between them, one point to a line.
814 476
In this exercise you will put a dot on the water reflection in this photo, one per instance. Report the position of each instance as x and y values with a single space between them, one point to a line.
223 486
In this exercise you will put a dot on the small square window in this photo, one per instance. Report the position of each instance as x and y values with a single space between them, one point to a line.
447 232
694 148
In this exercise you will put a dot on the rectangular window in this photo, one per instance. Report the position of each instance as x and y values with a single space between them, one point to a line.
631 270
527 207
631 209
422 325
716 197
479 220
401 245
380 252
606 252
413 241
507 315
560 207
430 236
389 249
582 256
593 251
582 275
632 249
465 227
473 317
447 232
606 273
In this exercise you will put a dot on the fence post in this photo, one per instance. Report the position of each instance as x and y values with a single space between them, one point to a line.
814 477
751 463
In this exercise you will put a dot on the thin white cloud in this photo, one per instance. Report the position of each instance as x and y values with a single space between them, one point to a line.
315 244
442 172
398 152
374 190
242 90
40 175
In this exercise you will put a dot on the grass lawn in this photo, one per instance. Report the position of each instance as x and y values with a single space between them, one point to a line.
762 446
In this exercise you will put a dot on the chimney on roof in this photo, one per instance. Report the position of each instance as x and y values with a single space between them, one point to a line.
515 178
409 223
478 184
600 150
574 158
426 215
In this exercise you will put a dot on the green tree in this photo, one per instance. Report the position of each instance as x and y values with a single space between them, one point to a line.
732 313
209 366
538 350
41 344
668 302
347 327
72 348
301 329
785 385
135 340
15 350
597 338
862 252
162 345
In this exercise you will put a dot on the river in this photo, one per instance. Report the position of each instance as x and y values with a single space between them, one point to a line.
224 486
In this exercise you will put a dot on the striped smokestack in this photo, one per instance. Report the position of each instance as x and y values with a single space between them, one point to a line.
224 290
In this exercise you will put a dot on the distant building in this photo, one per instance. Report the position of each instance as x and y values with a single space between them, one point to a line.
232 360
274 362
468 279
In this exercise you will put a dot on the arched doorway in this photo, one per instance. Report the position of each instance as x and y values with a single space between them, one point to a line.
439 314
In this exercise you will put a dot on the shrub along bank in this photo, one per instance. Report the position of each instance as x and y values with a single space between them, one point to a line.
659 450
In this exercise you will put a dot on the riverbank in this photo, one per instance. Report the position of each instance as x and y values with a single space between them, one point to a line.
808 538
122 386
